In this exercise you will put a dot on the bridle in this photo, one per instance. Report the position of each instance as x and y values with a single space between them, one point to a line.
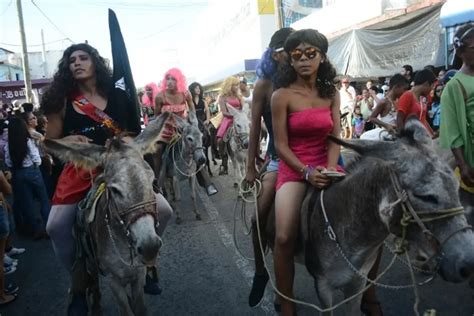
410 216
188 161
125 218
239 138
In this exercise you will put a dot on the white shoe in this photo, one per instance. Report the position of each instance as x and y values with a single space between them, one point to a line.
15 251
10 261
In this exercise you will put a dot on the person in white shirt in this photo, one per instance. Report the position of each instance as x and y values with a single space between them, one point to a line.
23 158
348 99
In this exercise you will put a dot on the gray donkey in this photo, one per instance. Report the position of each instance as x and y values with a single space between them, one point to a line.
183 160
121 223
390 181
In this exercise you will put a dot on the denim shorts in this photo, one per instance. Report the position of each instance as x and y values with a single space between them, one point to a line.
272 165
4 223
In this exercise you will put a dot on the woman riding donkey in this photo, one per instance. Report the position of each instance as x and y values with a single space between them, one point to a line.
229 97
203 116
304 112
267 70
82 106
175 98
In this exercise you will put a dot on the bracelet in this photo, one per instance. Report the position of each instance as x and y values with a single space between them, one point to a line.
307 171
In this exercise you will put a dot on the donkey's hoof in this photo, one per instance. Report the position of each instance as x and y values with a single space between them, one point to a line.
178 220
198 217
236 185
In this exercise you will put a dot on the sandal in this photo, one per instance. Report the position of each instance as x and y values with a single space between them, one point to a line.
371 308
7 299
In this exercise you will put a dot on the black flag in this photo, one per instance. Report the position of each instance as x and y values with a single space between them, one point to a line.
124 87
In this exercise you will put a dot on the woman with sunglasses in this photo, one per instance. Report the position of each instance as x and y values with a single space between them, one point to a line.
304 112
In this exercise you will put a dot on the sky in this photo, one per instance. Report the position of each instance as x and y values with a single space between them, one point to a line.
158 33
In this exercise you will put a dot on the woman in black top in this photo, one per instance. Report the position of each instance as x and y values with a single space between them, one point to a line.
83 73
203 116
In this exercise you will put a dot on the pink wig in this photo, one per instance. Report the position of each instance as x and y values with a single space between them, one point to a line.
180 79
145 99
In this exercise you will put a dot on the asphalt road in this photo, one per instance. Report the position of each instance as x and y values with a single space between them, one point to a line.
202 273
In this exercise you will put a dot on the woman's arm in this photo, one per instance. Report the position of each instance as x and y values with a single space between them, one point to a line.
189 100
223 106
5 186
55 128
280 103
206 110
334 149
260 94
158 104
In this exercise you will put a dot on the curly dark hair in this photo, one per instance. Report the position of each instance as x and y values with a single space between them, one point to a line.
191 89
63 84
326 71
18 136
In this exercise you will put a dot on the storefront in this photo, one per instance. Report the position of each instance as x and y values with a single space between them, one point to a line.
11 91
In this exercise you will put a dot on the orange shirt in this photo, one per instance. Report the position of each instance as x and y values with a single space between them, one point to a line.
410 106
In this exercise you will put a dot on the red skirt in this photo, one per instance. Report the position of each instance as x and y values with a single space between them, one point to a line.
73 184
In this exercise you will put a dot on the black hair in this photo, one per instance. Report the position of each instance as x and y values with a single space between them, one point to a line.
436 98
63 84
191 89
28 107
374 88
462 34
408 68
326 72
18 136
398 80
423 76
279 37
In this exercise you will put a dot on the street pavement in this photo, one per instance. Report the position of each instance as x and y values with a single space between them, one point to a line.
203 273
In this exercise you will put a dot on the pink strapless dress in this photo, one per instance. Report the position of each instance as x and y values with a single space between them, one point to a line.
307 138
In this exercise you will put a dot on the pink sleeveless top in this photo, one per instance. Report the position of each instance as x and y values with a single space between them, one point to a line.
307 139
234 102
178 109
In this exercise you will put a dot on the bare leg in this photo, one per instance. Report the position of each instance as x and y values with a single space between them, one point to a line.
370 304
164 213
158 159
287 213
223 154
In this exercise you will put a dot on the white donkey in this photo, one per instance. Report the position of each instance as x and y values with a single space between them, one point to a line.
237 142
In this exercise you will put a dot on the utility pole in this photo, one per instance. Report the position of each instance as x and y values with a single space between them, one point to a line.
24 54
45 63
279 13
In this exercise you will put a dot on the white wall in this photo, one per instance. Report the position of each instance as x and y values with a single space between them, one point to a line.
228 33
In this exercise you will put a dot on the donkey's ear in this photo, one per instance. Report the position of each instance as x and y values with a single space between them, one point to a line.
192 118
415 130
145 142
374 148
84 155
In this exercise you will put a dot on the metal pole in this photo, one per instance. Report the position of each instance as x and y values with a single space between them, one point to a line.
24 54
45 63
279 13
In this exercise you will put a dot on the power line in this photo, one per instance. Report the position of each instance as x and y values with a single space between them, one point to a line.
35 45
50 21
6 9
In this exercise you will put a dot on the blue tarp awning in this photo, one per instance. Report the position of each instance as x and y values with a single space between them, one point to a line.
455 12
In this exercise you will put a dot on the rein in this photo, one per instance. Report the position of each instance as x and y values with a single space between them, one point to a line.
124 219
410 216
189 164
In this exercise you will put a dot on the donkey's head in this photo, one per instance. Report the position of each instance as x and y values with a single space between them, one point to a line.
241 126
128 184
192 137
432 192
